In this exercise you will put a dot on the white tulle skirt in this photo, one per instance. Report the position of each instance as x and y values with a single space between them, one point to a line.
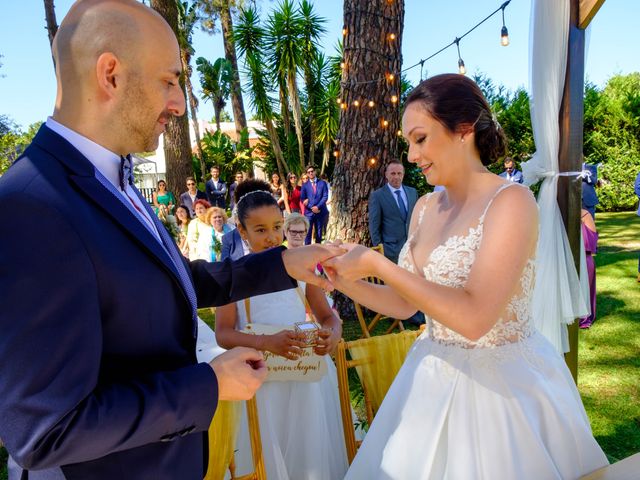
510 412
301 430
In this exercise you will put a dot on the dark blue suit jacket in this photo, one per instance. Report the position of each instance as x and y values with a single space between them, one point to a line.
516 177
232 246
589 195
317 199
217 196
97 346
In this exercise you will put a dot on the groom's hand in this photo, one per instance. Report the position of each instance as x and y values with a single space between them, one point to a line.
240 372
301 263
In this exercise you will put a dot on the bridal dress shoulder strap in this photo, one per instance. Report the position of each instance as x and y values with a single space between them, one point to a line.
493 197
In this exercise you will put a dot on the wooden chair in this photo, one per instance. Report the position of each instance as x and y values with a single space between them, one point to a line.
377 361
367 327
222 438
627 469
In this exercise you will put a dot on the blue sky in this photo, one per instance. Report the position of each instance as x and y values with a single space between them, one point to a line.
27 90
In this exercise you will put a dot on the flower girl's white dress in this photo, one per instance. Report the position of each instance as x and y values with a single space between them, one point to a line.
502 407
300 422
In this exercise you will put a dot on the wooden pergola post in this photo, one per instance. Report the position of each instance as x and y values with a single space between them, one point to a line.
571 139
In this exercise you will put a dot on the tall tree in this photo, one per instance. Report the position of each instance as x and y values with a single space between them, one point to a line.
285 42
215 79
52 23
221 10
250 38
177 144
187 18
327 111
368 134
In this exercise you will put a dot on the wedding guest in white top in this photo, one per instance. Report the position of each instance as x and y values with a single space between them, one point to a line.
199 234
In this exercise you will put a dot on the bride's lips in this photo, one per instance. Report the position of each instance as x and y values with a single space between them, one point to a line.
426 168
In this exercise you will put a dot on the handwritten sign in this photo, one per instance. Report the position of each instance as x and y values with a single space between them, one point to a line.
309 367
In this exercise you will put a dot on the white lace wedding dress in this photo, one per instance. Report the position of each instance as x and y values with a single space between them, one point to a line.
502 407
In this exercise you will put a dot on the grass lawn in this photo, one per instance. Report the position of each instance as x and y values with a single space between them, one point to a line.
609 352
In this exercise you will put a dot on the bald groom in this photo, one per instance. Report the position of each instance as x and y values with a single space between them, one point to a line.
98 308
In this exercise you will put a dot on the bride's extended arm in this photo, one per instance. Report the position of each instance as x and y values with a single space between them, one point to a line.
472 310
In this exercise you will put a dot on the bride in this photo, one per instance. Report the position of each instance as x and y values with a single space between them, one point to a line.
481 395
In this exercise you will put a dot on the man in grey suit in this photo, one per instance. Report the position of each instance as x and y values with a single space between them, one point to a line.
390 210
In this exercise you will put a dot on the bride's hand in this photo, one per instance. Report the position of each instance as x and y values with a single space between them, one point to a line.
357 263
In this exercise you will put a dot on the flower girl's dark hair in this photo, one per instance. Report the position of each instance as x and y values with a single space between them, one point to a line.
252 194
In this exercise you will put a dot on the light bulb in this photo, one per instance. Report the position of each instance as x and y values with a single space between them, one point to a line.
461 68
343 65
394 99
385 123
372 161
504 36
339 101
392 36
371 103
356 103
343 106
336 153
390 76
399 133
344 31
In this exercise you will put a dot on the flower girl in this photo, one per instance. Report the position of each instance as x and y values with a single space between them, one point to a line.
300 423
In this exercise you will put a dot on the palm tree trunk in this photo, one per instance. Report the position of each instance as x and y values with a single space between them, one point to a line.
362 134
217 111
284 109
177 144
230 54
325 155
52 24
294 100
193 107
283 167
309 80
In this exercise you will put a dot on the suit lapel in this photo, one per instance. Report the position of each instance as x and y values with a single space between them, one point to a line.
82 173
391 200
411 202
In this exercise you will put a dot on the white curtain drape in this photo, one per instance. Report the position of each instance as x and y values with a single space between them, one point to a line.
557 297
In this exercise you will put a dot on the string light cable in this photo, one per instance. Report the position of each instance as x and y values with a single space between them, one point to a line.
504 40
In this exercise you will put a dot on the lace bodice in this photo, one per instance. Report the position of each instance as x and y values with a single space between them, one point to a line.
450 264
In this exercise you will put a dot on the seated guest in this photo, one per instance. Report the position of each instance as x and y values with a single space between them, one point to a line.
182 220
199 236
295 229
233 246
192 194
510 172
163 197
217 218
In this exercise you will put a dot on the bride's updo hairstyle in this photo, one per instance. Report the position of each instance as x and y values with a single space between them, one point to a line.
457 103
251 194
